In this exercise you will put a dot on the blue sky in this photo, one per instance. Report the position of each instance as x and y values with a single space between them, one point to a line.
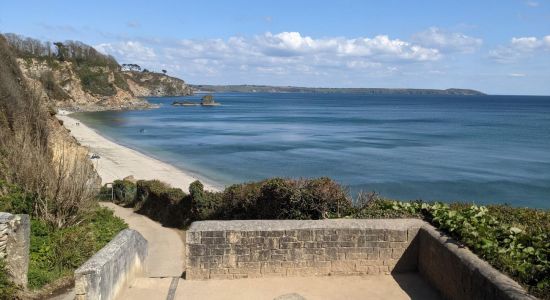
500 47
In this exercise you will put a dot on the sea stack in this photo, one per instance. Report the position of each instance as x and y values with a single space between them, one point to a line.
208 100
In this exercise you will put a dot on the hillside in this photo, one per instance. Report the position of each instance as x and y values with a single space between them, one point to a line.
292 89
143 84
75 76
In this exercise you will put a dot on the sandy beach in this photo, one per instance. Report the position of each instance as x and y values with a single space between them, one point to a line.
117 161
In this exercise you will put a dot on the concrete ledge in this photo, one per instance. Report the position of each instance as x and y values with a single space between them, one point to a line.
266 248
275 225
112 268
458 273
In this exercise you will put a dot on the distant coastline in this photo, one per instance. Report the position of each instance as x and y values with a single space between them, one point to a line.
245 88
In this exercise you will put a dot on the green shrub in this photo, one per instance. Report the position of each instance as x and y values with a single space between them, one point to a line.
56 253
491 233
239 201
95 80
8 289
159 201
51 87
14 200
124 191
302 199
205 205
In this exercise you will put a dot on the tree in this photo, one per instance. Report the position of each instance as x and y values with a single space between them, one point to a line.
164 71
60 50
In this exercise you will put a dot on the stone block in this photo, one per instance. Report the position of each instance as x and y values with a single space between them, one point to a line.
196 250
385 253
213 240
342 266
218 234
397 236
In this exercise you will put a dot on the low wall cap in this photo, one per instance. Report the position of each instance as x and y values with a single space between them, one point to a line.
274 225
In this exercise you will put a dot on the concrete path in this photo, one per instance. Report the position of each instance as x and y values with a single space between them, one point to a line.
166 246
403 286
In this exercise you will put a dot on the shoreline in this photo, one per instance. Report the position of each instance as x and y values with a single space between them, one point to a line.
117 161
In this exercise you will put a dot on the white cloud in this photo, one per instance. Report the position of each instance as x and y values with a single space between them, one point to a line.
532 3
447 41
525 43
520 47
380 46
517 75
277 54
130 51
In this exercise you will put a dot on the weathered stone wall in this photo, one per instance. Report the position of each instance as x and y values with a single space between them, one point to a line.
243 249
113 267
458 273
14 245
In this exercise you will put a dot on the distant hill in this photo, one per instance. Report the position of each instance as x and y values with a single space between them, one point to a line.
293 89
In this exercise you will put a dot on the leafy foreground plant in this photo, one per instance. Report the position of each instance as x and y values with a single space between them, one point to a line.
56 253
492 233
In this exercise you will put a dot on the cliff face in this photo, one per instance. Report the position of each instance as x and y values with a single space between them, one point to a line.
144 84
61 84
75 76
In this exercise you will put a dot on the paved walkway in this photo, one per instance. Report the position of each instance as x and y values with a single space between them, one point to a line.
166 245
403 286
165 265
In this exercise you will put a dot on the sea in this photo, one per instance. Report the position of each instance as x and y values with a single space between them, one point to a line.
476 149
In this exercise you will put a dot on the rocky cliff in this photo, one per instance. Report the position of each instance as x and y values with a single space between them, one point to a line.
144 84
75 76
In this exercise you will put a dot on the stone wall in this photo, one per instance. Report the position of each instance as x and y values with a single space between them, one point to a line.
14 245
113 267
458 273
261 248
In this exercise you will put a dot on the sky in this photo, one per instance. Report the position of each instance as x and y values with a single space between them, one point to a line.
498 47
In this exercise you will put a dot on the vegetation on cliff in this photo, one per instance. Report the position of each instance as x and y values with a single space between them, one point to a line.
75 75
45 174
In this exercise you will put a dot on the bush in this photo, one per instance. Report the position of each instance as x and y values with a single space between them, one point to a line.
14 200
302 199
51 87
159 201
239 201
492 234
205 205
124 191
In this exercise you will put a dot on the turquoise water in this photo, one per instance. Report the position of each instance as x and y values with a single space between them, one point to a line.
490 149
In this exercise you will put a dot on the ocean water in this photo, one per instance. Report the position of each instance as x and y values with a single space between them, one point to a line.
486 149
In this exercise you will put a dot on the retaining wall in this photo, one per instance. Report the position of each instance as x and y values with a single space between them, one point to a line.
243 249
14 246
262 248
458 273
112 268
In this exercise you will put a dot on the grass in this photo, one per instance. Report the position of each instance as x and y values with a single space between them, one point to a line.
7 288
56 253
